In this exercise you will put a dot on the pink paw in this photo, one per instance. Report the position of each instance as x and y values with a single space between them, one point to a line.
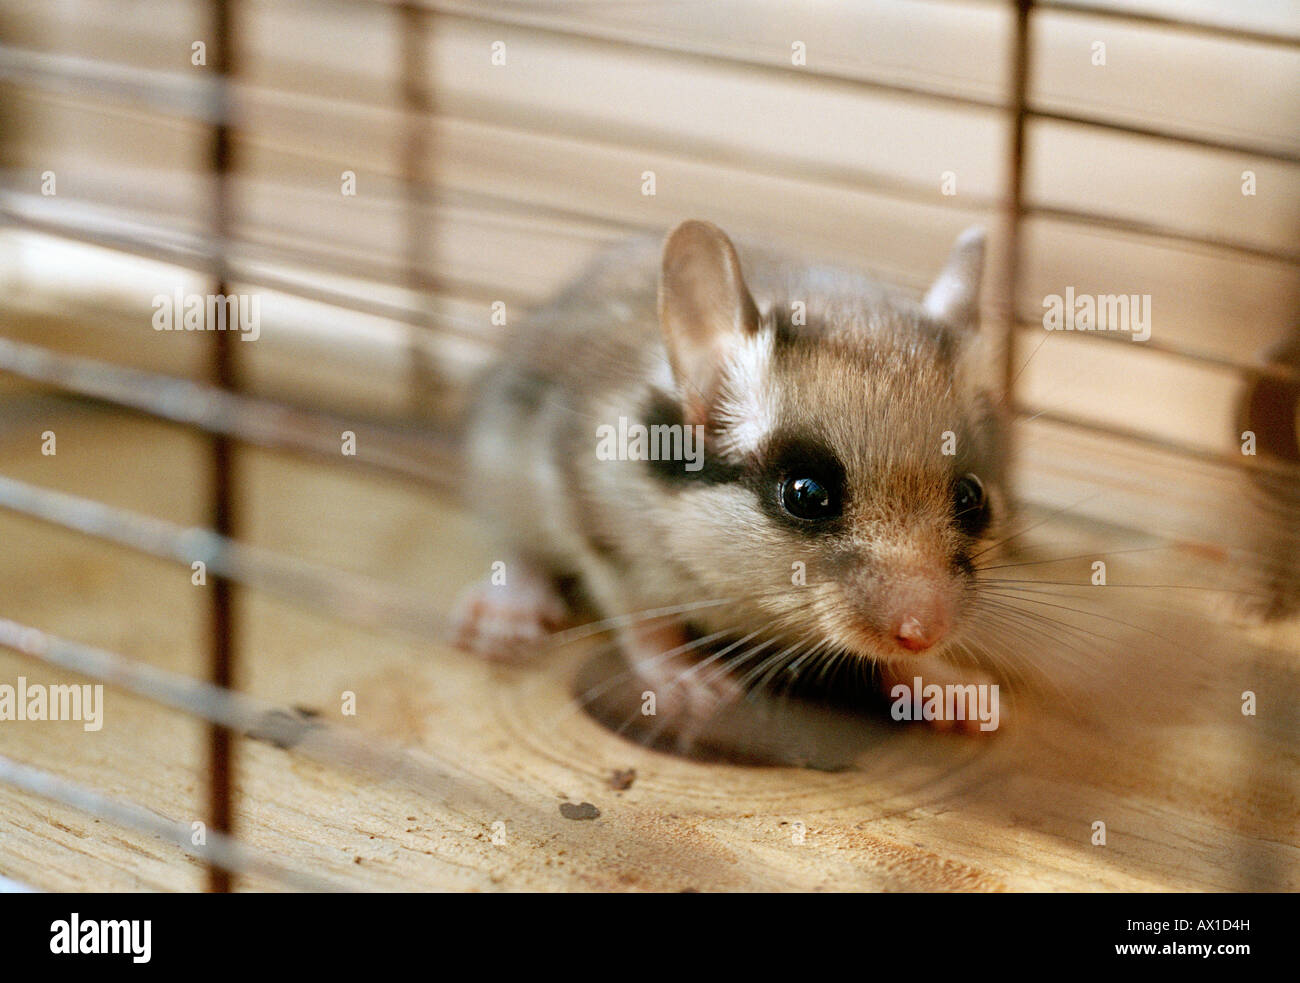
508 622
688 694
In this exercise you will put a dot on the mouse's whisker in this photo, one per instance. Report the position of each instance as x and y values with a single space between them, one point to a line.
1030 583
587 629
1018 672
1058 655
1003 667
631 672
1020 595
1043 622
728 666
1081 556
1030 528
758 675
1036 629
813 654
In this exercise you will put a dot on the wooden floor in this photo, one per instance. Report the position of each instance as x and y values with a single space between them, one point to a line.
1193 795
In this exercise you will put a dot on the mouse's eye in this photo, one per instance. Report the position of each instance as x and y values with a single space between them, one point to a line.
806 497
970 505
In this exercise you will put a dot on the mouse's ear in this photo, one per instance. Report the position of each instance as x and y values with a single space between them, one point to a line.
705 310
954 296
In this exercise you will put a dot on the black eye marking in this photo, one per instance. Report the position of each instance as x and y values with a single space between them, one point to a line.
970 505
808 483
663 411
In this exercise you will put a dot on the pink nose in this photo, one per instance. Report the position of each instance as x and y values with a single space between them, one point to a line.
917 636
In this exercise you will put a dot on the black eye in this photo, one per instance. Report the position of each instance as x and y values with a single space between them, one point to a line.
805 497
970 505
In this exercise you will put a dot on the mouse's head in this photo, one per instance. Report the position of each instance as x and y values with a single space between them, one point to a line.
855 461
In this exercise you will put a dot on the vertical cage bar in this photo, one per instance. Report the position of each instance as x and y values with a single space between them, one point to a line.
417 106
223 371
1015 194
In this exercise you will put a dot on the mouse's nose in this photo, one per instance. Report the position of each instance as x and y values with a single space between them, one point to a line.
915 635
921 616
908 610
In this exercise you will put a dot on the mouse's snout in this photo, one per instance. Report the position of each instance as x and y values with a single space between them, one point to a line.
919 616
904 614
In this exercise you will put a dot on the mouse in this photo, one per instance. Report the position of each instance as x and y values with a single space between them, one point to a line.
750 465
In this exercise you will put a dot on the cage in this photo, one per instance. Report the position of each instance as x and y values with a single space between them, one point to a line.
249 538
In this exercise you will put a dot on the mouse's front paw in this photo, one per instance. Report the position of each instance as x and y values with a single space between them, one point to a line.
509 622
694 700
681 695
693 708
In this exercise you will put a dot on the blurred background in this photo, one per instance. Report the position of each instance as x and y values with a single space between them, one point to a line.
384 176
